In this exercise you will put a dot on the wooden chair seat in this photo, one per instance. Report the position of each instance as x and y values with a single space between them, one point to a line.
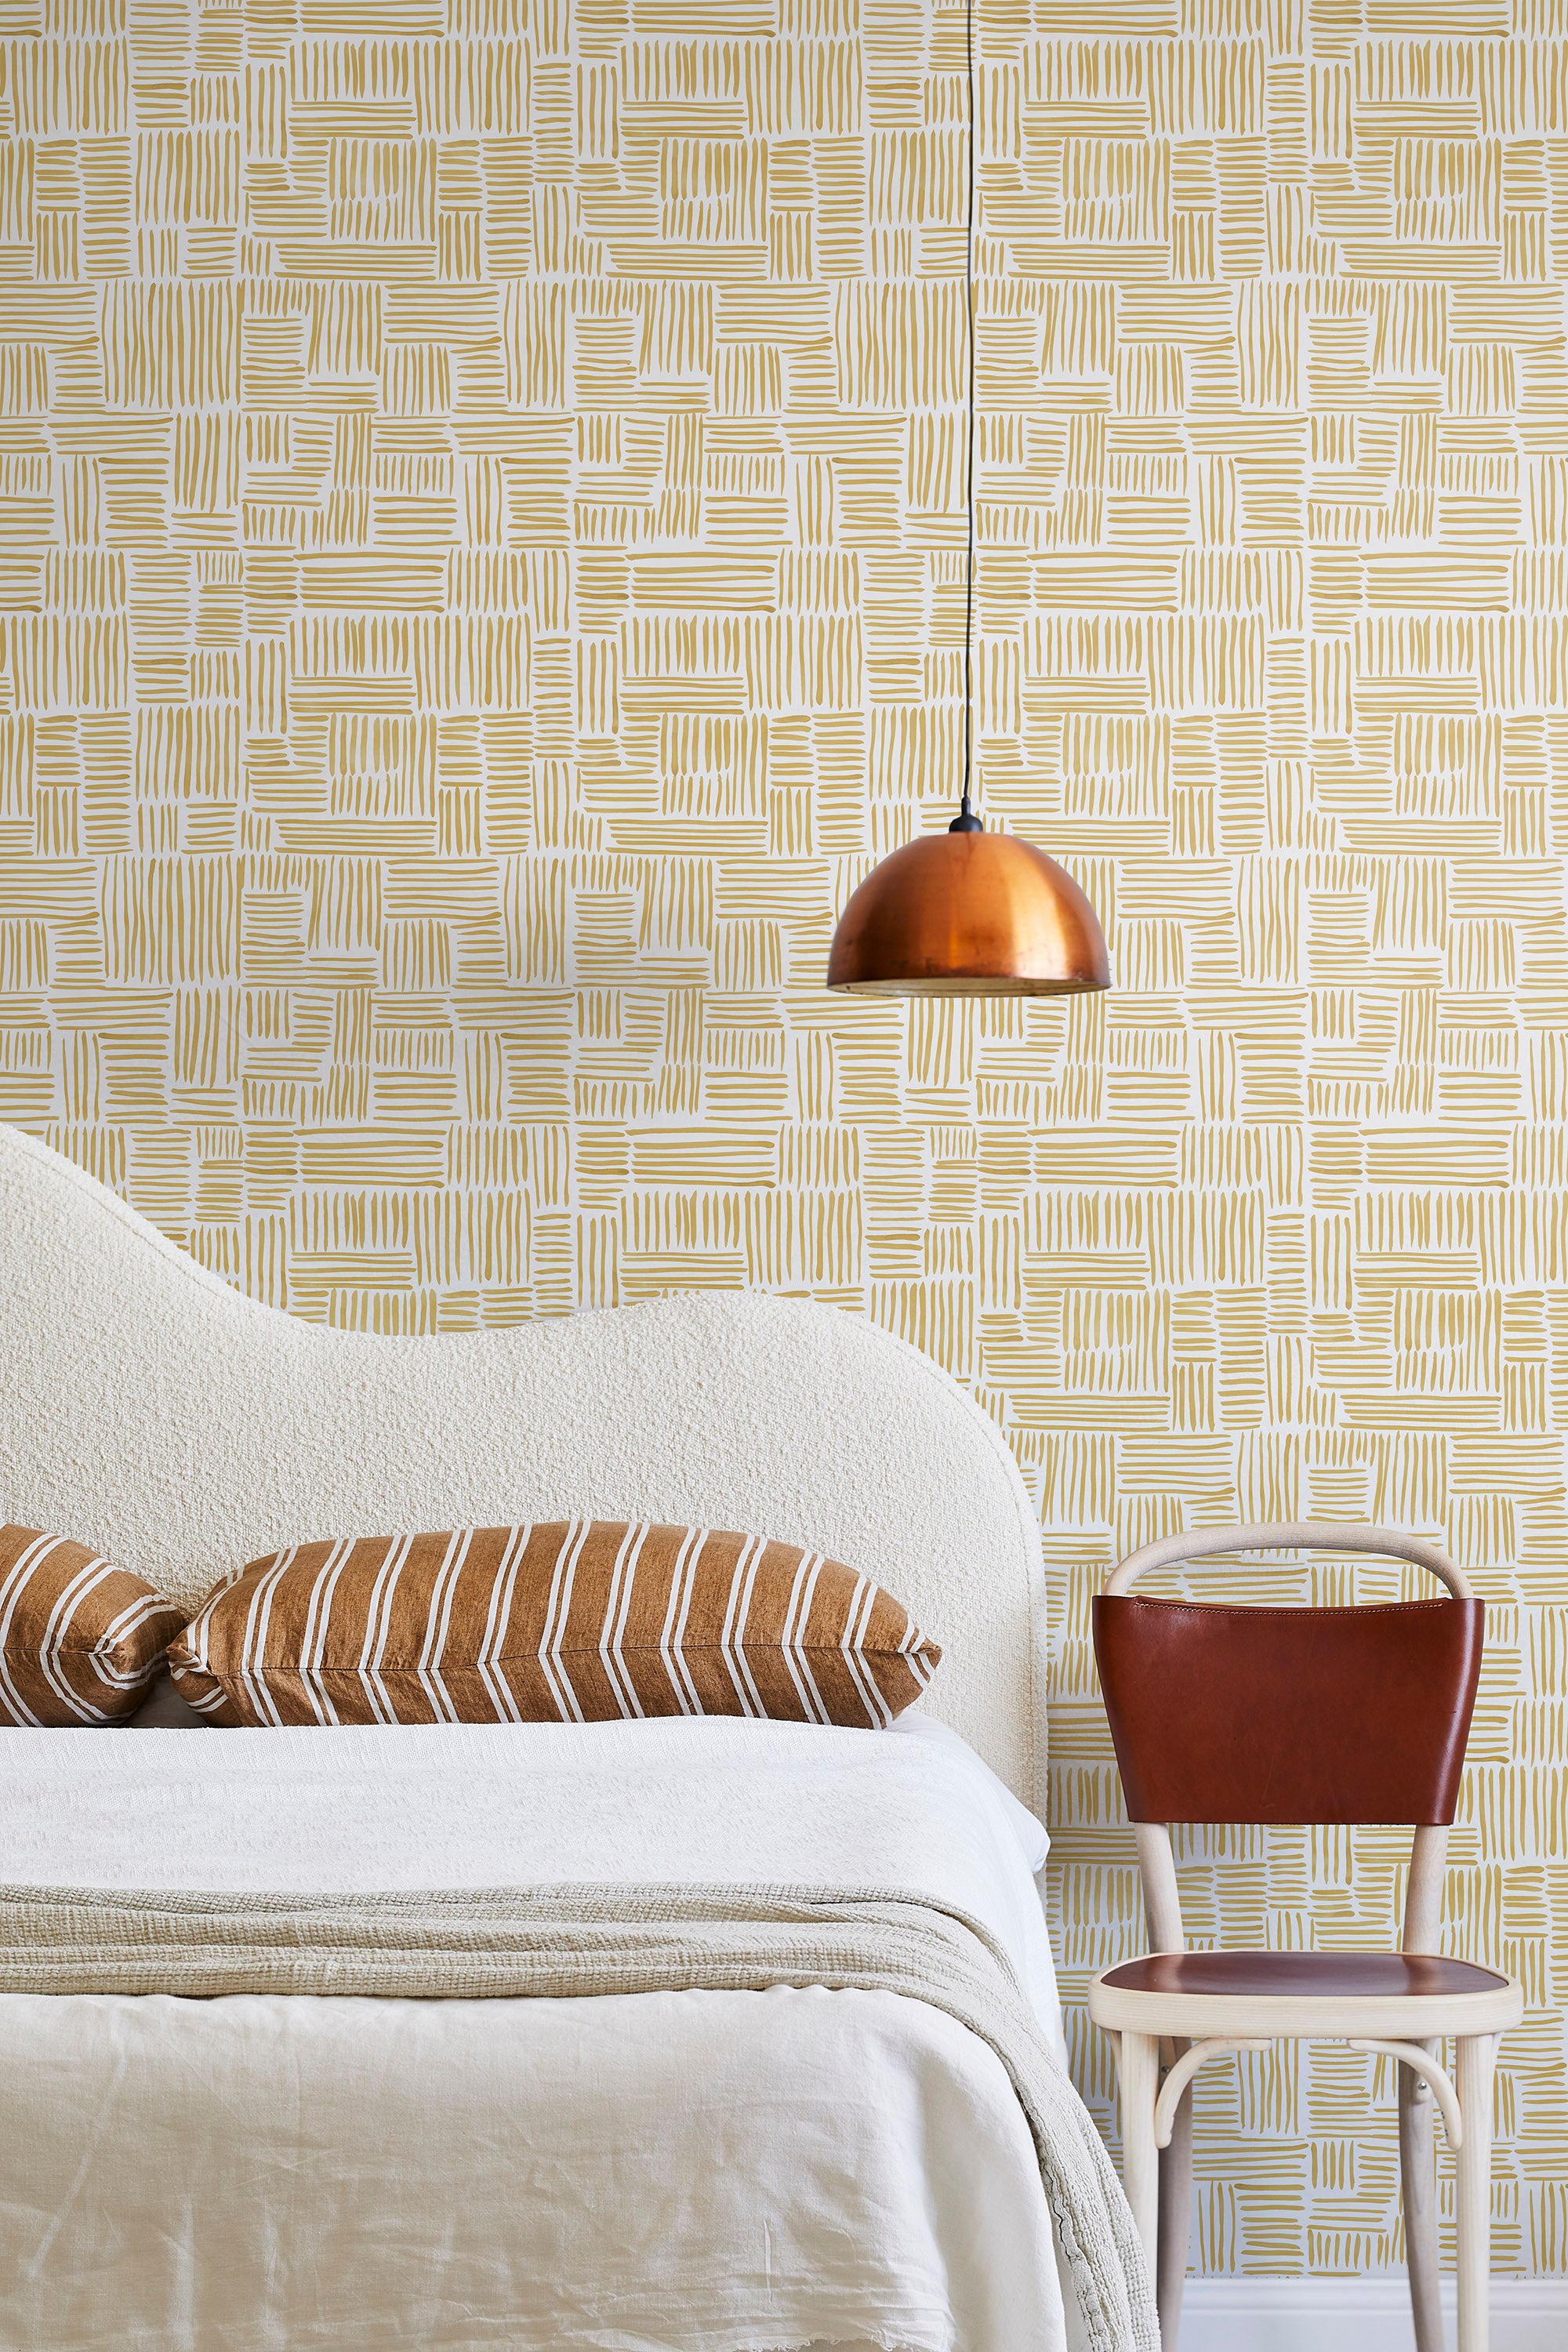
1239 1992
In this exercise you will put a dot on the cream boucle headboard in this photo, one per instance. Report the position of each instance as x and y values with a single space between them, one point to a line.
149 1410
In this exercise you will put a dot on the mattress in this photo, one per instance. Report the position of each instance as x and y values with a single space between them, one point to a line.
686 2172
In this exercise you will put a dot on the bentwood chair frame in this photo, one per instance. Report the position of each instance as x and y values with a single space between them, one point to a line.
1309 1716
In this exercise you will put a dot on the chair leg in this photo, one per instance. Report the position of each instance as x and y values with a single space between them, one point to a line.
1476 2059
1176 2221
1418 2176
1138 2066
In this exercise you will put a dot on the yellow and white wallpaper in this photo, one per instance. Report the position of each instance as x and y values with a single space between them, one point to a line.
481 544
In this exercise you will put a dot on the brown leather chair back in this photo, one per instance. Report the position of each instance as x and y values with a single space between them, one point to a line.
1288 1714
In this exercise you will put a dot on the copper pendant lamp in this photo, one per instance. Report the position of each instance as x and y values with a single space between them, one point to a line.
967 912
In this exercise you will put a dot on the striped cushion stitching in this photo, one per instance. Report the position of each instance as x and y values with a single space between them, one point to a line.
856 1626
317 1615
556 1614
797 1650
491 1653
378 1629
259 1616
672 1642
116 1635
731 1644
437 1625
54 1652
622 1583
11 1594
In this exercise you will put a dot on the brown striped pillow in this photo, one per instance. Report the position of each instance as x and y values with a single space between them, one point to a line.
581 1621
80 1640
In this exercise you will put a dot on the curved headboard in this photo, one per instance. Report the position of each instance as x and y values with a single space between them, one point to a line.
182 1429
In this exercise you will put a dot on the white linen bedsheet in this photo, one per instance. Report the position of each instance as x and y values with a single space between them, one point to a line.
687 2172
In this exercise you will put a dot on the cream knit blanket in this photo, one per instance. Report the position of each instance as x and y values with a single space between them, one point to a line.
552 1942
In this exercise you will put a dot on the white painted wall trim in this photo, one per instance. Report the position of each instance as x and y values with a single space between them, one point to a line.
1369 2315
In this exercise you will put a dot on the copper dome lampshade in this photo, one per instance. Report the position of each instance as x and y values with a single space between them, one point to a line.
967 912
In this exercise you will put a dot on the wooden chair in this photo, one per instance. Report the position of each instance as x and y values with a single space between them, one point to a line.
1308 1716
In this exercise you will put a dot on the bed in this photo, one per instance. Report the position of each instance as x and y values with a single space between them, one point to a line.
706 2170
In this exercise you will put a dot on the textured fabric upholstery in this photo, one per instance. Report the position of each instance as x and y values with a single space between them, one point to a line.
182 1429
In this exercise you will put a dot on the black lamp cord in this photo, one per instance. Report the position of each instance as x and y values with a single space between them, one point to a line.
966 821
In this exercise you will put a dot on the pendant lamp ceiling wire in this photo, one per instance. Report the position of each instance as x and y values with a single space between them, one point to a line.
986 914
964 810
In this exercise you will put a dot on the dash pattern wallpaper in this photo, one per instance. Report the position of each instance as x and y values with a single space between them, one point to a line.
481 546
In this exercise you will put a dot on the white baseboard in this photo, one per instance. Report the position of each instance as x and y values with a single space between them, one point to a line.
1371 2315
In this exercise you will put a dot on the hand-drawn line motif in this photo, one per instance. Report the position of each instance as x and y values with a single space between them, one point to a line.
480 546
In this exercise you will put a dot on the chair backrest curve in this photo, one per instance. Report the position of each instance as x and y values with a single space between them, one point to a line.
1290 1535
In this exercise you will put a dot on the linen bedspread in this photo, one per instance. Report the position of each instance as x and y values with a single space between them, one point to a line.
653 2171
558 1943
